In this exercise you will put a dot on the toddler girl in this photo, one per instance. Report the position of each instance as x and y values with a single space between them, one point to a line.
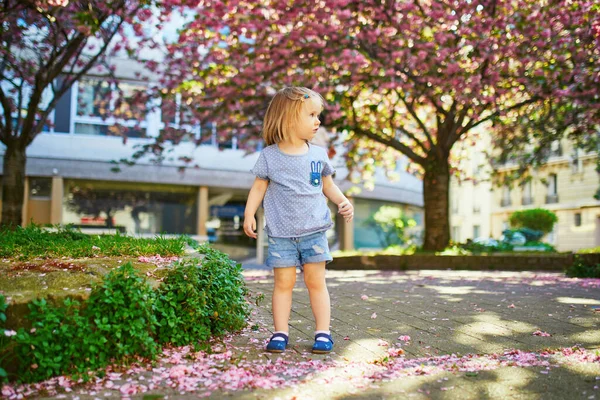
293 182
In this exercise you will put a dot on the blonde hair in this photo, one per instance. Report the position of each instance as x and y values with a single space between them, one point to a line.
283 112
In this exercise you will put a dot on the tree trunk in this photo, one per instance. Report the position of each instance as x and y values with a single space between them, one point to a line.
13 185
436 184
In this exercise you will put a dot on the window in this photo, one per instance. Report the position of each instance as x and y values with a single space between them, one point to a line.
476 202
527 194
576 161
505 201
476 231
552 196
555 149
456 234
133 208
454 202
93 98
108 109
577 219
40 188
176 116
552 184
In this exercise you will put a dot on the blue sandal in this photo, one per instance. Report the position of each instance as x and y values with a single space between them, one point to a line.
277 346
322 347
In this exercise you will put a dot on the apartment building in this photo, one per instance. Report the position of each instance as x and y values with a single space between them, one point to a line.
566 185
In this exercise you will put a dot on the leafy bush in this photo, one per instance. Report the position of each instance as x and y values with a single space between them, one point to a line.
34 241
581 269
117 322
195 301
390 224
121 310
547 247
4 339
496 246
537 219
181 307
124 318
226 291
54 344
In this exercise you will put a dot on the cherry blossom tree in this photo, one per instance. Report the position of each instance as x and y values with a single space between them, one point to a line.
45 46
401 78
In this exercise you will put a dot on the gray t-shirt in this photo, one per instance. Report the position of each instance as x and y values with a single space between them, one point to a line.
294 203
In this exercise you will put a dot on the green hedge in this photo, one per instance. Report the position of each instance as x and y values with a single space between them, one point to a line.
583 269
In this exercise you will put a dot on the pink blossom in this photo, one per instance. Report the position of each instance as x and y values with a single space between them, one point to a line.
395 352
540 333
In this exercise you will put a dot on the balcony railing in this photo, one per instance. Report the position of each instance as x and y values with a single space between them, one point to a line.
505 203
527 201
551 198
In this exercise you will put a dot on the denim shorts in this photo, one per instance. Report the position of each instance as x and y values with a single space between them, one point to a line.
295 252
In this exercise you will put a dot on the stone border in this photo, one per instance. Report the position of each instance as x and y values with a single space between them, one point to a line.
502 262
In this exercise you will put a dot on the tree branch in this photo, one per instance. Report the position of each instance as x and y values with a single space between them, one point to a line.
407 151
7 126
51 76
472 124
412 112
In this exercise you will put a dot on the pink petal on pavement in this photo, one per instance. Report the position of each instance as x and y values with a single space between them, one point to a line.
540 333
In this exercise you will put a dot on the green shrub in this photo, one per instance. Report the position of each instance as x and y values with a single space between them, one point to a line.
390 225
537 219
181 306
226 291
124 317
547 247
54 343
474 247
116 322
121 310
581 269
197 300
3 338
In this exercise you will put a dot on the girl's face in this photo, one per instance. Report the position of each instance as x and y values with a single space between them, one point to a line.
308 121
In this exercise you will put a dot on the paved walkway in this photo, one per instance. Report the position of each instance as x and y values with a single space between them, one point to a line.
414 335
445 313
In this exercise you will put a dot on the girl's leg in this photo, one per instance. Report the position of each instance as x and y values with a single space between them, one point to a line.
285 279
314 277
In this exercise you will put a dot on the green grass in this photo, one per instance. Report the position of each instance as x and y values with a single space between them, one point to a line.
589 251
35 241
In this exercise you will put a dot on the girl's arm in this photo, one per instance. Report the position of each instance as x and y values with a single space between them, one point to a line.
255 197
334 194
